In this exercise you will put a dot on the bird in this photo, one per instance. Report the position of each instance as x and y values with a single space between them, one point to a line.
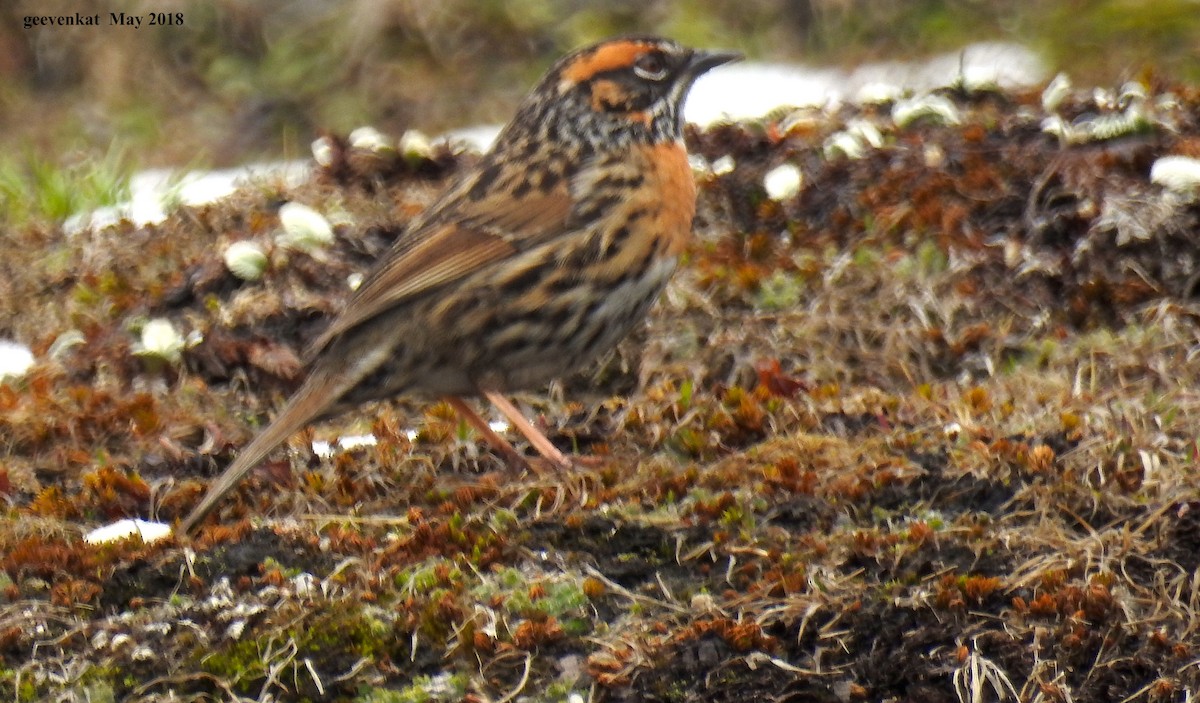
534 262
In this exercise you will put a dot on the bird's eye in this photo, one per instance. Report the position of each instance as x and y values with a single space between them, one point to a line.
652 67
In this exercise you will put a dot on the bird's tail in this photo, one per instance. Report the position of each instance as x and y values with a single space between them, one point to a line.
323 388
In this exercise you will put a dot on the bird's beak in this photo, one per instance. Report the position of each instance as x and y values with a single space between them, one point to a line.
704 61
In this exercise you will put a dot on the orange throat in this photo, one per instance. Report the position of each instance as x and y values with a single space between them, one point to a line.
677 189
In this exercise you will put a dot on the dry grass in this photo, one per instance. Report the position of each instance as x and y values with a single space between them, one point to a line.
924 432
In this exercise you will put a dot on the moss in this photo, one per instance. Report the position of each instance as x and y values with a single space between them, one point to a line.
834 464
328 639
27 690
94 683
241 662
423 689
781 291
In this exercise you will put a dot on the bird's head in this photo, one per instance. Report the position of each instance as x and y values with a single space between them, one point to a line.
621 90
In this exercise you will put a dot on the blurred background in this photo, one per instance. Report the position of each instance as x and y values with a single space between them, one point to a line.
243 80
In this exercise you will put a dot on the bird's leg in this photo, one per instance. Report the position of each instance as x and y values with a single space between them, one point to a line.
535 437
501 445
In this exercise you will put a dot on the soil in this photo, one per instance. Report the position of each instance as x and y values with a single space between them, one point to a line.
924 430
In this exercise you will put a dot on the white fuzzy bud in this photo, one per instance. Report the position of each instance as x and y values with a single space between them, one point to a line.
1178 173
303 228
936 108
369 139
160 340
1056 92
782 182
322 151
15 359
246 260
415 145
